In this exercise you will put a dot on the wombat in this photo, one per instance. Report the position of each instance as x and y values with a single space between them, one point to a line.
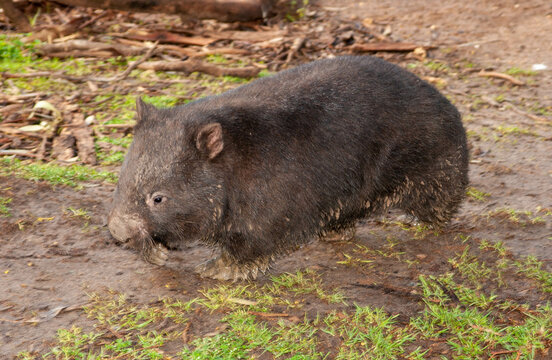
261 169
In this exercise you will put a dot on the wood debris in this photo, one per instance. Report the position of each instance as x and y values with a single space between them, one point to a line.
237 50
193 65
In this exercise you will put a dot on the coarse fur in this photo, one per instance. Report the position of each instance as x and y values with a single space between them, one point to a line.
264 168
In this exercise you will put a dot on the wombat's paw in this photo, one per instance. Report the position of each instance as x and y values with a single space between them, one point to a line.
342 235
158 255
223 268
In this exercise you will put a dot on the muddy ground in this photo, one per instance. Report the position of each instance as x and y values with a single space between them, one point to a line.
51 258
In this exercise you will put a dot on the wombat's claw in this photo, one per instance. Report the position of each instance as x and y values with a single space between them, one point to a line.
158 255
222 268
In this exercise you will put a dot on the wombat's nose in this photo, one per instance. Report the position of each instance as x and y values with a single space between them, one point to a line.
122 227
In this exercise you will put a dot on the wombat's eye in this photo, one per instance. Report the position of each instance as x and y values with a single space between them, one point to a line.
156 199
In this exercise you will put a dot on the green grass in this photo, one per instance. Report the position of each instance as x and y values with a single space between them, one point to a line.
518 71
4 210
521 217
254 319
110 157
14 54
73 175
437 66
532 268
473 325
477 194
368 333
216 59
514 130
471 268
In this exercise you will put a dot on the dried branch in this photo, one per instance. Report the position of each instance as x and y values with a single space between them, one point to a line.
192 65
137 63
86 45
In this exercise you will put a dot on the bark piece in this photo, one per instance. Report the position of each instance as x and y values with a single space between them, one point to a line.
85 144
63 146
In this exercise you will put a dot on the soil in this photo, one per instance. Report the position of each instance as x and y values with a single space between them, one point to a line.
51 258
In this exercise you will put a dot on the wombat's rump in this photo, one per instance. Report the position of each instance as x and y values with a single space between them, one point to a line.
268 166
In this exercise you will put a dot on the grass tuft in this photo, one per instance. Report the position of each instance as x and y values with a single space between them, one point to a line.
72 175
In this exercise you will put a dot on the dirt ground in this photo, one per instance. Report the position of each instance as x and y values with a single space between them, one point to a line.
50 260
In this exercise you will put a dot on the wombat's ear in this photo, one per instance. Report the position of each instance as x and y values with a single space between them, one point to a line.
143 109
209 140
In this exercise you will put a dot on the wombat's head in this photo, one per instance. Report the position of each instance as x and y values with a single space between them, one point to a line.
170 189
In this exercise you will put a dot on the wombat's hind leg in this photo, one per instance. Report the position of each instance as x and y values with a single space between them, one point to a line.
223 267
433 201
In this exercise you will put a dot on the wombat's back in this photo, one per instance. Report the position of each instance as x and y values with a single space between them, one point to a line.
325 143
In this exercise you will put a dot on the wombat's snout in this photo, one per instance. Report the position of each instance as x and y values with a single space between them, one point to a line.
123 228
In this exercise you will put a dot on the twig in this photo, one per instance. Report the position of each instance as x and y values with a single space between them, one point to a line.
502 76
42 148
530 116
133 66
103 101
295 47
49 74
503 352
12 131
17 99
17 152
93 20
12 321
268 315
185 336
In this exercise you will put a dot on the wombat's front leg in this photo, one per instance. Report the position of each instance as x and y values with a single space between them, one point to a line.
223 267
